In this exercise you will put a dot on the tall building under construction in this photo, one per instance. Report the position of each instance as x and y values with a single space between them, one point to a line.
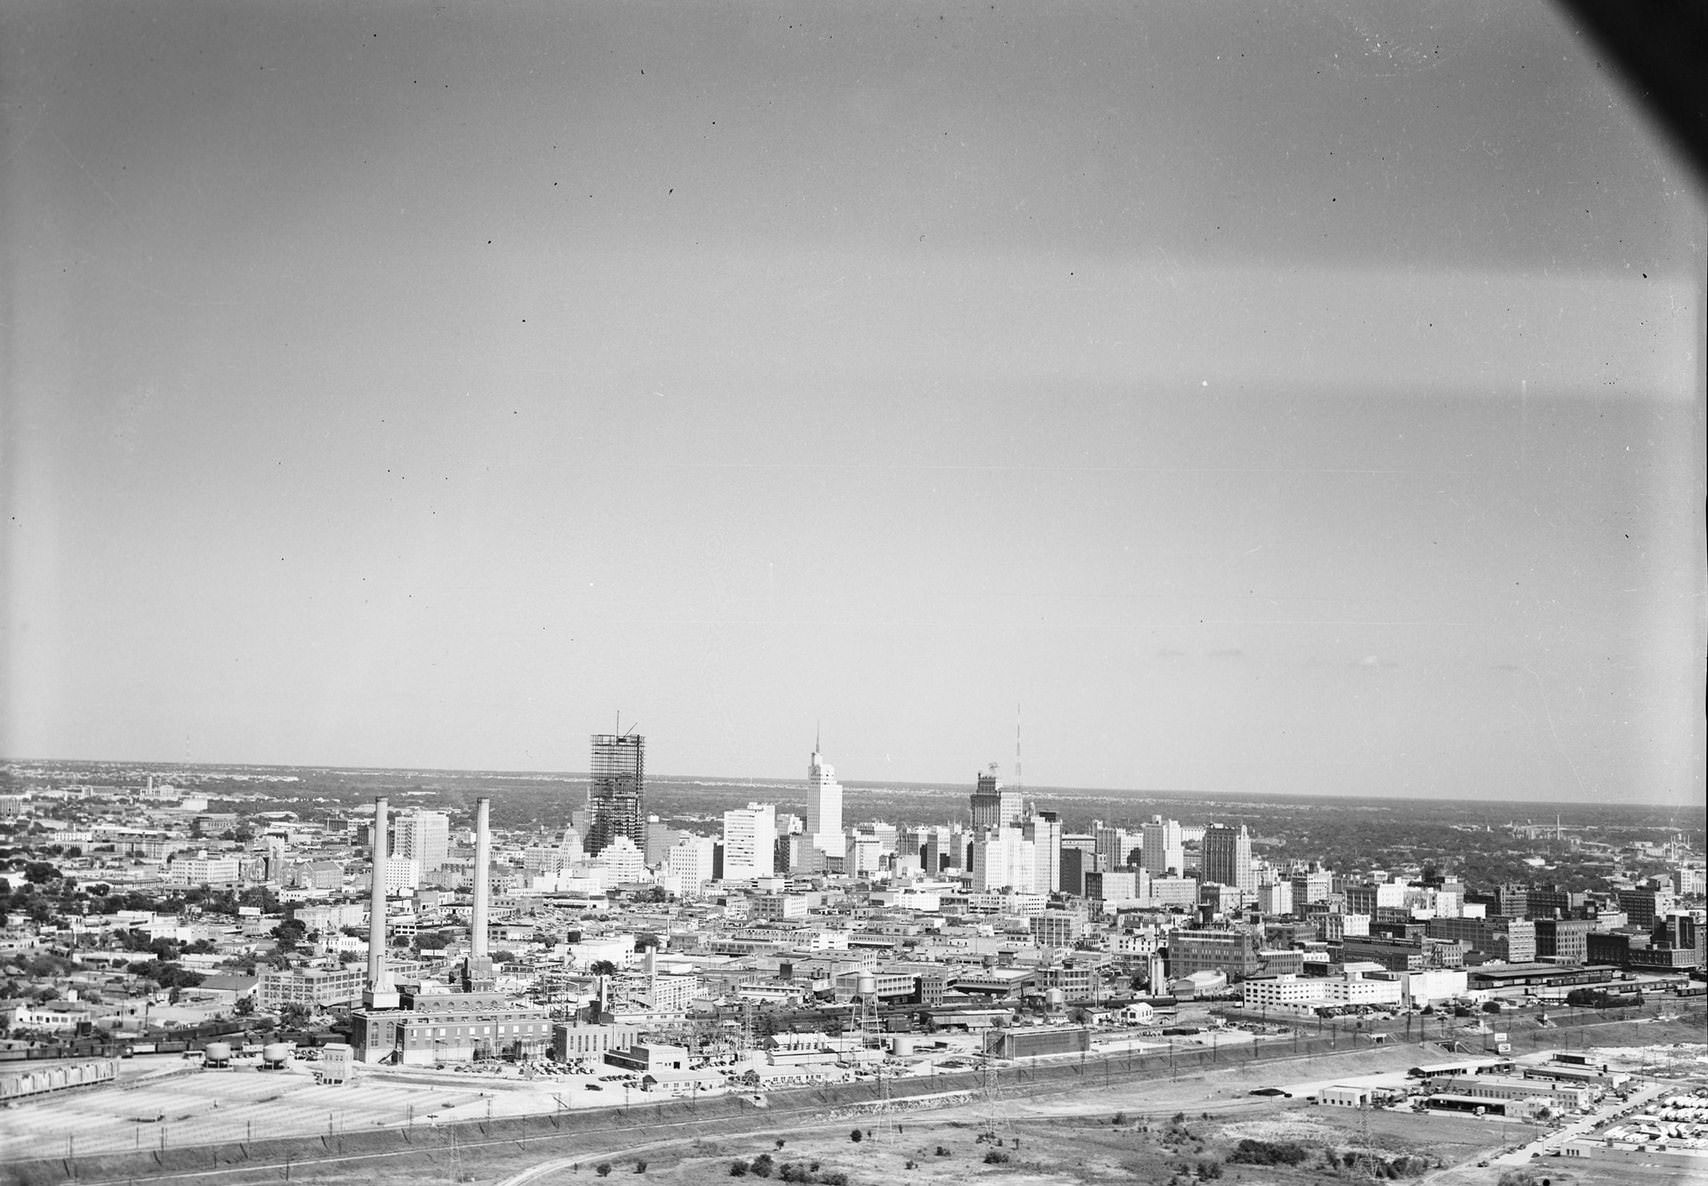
616 791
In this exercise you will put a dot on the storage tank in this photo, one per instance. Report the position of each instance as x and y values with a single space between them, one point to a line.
275 1055
217 1054
1055 1000
867 986
901 1045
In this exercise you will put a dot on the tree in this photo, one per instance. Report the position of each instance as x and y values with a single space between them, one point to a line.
603 968
165 974
289 933
856 1136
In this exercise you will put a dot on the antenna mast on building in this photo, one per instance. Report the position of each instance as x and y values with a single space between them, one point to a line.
1018 782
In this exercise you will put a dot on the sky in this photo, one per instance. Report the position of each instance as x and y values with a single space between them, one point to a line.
1272 398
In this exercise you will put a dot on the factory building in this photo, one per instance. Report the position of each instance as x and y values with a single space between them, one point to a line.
425 1024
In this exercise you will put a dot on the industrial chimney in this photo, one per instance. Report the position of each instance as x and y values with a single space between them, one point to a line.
478 975
380 994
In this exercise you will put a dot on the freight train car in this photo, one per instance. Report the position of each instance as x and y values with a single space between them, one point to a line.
18 1083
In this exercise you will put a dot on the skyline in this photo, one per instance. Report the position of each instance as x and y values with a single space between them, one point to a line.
1037 794
1267 401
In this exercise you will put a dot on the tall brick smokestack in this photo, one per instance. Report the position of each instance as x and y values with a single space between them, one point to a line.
478 975
482 863
379 980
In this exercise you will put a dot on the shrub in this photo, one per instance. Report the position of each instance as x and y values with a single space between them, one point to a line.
640 1167
834 1178
996 1157
1252 1152
738 1169
856 1136
1118 1118
762 1166
603 1169
1209 1169
942 1150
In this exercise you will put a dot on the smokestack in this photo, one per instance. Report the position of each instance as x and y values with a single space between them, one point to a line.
482 861
380 991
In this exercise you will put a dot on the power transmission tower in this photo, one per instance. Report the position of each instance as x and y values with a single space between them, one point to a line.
1365 1164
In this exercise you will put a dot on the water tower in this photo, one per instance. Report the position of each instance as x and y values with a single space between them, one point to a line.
866 1020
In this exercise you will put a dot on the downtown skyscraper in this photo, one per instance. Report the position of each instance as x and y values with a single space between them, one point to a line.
616 791
824 805
1226 858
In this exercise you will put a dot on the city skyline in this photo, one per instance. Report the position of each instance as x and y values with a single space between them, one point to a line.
1272 402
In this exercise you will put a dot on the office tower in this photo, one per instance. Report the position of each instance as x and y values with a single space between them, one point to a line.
994 806
1076 864
616 791
659 837
422 836
688 865
863 851
750 842
824 803
1275 897
1003 859
572 853
620 862
1112 845
1164 851
1044 830
1227 858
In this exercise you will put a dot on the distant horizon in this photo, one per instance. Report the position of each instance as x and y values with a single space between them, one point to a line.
1698 808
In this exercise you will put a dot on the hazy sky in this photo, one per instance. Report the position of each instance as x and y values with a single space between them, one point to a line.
1265 398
